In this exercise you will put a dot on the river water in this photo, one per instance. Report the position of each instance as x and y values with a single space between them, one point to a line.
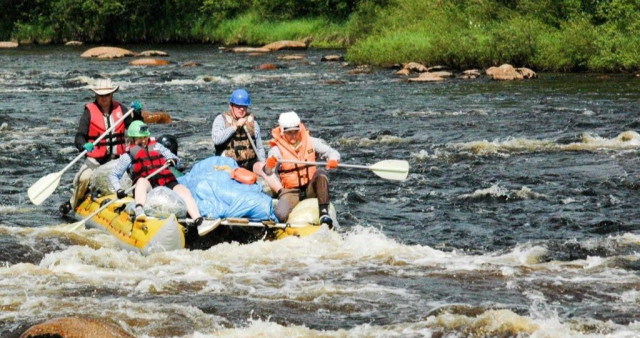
519 215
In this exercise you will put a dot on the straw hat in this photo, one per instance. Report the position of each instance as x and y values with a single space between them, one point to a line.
104 87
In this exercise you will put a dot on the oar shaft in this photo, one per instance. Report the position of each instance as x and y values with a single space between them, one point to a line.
84 152
345 165
246 130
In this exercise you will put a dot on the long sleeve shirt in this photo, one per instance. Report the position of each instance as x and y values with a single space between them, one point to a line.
125 161
220 134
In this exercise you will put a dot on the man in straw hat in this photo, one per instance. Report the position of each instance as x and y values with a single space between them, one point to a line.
97 118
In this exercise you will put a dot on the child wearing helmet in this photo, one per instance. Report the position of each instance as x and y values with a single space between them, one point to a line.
292 141
142 160
236 134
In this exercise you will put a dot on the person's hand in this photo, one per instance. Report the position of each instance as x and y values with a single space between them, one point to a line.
240 122
271 162
121 194
332 164
88 147
137 110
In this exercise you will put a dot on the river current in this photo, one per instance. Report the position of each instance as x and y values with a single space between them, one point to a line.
519 216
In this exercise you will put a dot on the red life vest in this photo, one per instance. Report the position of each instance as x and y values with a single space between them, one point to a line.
145 162
295 175
97 127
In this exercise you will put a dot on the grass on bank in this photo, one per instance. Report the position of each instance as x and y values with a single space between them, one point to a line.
249 29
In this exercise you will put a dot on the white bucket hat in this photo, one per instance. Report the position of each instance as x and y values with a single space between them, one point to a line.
104 87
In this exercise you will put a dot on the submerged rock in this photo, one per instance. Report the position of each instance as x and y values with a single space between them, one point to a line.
149 62
76 327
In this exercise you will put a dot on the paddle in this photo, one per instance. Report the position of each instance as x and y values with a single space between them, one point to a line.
209 225
253 145
396 170
45 186
78 225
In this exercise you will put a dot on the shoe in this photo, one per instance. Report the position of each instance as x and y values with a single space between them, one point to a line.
65 208
197 222
140 215
325 219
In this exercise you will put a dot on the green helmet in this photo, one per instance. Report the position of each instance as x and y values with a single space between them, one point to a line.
138 129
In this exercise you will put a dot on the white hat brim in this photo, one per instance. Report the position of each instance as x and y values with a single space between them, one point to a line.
105 91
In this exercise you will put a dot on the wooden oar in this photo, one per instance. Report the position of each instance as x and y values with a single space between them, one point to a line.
396 170
45 186
79 225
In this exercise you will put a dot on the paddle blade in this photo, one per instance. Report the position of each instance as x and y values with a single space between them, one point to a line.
43 188
396 170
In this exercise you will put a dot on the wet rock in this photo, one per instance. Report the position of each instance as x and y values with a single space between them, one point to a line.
149 62
427 77
158 117
291 57
76 327
470 74
436 68
73 43
8 44
332 58
415 67
106 53
403 72
442 73
249 50
362 69
153 53
190 64
505 72
527 73
267 66
288 44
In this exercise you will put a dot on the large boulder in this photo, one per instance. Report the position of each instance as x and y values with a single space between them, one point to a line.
75 327
106 53
505 72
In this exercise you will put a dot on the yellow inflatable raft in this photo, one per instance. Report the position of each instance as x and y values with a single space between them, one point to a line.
164 234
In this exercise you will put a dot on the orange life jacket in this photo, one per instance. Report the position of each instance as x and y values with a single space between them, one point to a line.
238 147
144 162
97 127
295 175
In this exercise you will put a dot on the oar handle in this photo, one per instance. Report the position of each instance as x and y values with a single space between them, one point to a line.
344 165
166 165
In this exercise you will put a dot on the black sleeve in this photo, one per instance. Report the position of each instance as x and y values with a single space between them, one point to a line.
82 134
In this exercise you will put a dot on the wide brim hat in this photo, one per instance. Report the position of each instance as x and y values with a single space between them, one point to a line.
104 87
